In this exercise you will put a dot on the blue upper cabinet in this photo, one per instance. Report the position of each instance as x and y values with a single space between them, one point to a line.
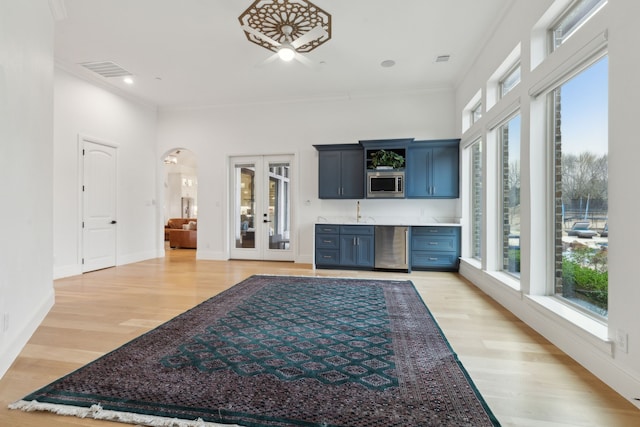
433 169
340 171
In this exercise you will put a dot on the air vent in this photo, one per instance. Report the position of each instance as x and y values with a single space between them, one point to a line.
106 69
442 58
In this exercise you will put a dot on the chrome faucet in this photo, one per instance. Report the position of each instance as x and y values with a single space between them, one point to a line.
358 211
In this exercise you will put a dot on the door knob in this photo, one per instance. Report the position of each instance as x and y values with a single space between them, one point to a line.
114 222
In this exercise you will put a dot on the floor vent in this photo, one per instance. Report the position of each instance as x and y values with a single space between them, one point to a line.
106 69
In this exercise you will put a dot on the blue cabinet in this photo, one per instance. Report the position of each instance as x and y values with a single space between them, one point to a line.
435 248
340 171
433 169
357 246
340 246
327 245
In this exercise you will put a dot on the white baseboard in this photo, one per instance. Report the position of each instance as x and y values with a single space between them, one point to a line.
137 257
211 255
10 351
592 350
66 271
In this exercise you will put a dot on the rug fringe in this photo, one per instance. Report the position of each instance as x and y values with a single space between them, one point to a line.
96 412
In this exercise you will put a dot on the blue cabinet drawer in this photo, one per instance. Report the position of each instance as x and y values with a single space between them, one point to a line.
356 229
327 257
327 241
434 243
431 231
423 259
327 229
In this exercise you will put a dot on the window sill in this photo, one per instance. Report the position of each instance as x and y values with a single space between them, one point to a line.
499 284
580 320
505 279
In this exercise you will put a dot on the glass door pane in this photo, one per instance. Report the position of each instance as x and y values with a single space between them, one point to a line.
244 222
278 212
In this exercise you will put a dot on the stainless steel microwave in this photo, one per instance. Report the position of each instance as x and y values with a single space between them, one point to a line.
385 184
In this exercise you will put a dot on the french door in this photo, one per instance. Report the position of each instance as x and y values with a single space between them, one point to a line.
261 208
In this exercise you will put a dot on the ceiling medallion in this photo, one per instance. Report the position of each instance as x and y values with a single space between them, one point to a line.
284 21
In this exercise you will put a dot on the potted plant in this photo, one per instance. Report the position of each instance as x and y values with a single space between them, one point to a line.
383 159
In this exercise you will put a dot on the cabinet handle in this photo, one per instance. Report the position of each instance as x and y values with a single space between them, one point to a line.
326 241
406 246
326 256
433 243
433 259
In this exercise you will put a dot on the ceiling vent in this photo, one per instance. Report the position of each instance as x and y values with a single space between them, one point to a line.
106 69
443 58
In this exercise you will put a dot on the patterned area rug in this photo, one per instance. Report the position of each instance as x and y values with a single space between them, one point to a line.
282 351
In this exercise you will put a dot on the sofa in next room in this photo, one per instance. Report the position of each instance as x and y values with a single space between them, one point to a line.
182 233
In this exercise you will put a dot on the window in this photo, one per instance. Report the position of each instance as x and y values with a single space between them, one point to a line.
572 19
510 80
581 188
476 113
509 135
476 199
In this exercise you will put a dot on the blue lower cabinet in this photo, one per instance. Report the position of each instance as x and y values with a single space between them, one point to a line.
327 245
356 250
338 246
435 248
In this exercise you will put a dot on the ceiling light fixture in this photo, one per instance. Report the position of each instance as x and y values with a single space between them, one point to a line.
128 80
286 52
286 27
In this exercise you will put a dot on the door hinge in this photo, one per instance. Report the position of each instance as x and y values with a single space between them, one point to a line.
82 224
83 261
83 188
83 151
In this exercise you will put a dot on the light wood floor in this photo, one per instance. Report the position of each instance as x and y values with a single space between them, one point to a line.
525 380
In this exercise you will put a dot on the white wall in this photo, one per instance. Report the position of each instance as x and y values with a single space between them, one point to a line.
214 134
83 108
599 354
26 130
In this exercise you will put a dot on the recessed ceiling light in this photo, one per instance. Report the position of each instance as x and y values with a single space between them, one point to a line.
128 80
388 63
442 58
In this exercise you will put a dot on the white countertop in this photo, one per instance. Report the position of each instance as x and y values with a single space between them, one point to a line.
367 220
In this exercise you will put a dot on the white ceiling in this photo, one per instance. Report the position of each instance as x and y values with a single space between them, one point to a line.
191 53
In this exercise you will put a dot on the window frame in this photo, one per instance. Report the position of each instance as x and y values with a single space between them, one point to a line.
556 226
476 113
583 16
503 237
476 237
506 76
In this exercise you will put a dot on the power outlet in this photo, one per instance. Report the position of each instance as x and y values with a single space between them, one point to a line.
622 341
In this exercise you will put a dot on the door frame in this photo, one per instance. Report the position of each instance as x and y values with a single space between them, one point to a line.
82 138
261 251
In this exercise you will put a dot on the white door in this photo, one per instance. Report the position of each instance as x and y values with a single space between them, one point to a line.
99 206
261 208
